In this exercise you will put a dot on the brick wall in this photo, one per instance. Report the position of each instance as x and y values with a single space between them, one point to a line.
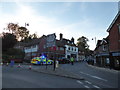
114 37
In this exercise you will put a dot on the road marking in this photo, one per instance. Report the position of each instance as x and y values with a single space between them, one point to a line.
96 86
79 82
94 76
86 86
88 82
99 78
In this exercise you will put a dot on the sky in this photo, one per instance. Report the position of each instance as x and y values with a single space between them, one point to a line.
72 19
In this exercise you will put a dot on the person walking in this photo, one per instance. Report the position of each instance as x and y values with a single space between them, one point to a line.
72 60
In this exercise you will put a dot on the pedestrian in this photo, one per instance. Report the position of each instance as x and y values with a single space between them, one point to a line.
12 63
72 60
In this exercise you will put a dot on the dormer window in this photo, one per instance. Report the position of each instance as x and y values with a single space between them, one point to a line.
104 48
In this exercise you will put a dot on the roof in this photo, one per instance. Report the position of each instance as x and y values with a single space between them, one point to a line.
116 17
35 41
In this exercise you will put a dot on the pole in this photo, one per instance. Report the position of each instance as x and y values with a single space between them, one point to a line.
46 58
54 61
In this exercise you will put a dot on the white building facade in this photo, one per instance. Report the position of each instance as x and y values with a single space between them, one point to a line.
71 51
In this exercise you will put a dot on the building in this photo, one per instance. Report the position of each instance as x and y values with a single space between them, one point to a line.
81 56
37 47
31 49
64 48
101 52
20 45
114 41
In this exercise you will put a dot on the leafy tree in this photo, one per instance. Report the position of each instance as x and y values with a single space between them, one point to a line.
19 32
30 37
34 36
23 32
8 41
82 44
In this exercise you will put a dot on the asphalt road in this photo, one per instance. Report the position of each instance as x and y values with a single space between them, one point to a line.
105 78
94 78
13 77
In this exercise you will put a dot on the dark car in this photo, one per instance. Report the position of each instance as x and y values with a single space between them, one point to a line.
63 60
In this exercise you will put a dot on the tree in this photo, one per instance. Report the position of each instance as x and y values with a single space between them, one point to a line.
30 37
19 32
82 44
23 32
8 41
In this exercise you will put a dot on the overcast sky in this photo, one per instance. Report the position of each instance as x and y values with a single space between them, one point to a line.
73 19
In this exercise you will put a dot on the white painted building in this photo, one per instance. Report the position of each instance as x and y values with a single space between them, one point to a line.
71 51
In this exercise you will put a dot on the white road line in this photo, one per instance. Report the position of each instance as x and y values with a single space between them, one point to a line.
99 78
96 86
88 82
86 86
94 76
79 82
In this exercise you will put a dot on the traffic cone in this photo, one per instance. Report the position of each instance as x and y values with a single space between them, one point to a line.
19 66
30 67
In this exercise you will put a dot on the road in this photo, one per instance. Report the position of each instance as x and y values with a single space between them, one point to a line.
24 78
100 76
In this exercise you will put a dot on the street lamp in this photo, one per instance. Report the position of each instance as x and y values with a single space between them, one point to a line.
94 39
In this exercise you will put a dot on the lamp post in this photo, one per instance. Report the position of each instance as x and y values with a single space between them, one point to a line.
95 46
94 39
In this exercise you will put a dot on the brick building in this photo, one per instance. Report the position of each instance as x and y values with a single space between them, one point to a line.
102 52
37 47
114 41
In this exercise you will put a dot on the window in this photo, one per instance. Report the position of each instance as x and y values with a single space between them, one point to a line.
119 28
104 48
69 48
72 49
75 49
61 48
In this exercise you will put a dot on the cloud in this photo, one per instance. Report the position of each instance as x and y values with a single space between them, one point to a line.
48 25
86 27
26 14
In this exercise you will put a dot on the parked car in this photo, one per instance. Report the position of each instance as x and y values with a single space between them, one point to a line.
63 60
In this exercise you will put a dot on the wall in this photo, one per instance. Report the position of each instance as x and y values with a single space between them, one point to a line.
114 37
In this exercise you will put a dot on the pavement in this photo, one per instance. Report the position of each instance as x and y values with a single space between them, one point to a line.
59 71
107 69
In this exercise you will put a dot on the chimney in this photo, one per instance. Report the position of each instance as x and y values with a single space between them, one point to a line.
61 36
72 39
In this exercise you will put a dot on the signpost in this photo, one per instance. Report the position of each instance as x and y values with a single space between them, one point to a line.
51 42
